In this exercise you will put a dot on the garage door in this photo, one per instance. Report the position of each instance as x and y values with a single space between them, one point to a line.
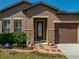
65 33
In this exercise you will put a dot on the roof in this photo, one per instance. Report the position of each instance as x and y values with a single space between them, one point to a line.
45 4
33 5
42 3
10 6
68 13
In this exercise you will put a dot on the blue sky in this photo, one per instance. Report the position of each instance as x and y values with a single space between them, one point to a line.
64 5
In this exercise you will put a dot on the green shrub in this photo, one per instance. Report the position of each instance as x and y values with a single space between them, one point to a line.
11 38
19 38
6 38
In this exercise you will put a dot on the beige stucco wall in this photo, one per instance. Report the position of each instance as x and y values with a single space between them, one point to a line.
42 11
20 15
68 17
52 16
15 13
27 18
78 33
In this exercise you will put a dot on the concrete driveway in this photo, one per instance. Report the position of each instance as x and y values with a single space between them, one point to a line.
70 50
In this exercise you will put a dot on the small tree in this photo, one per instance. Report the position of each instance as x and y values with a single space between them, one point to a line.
19 38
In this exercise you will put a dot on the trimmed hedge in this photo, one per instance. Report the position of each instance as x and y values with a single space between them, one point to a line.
12 38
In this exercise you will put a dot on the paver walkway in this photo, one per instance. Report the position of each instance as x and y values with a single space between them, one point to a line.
70 50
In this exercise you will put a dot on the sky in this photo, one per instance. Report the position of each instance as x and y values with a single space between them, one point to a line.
64 5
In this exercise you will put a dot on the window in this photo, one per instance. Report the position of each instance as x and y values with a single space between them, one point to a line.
40 28
17 25
5 25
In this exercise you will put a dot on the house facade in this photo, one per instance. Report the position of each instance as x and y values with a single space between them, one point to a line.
41 22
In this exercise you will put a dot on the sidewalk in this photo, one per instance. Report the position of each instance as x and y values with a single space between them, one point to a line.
70 50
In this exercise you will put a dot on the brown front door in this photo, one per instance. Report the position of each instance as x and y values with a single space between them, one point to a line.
40 25
66 33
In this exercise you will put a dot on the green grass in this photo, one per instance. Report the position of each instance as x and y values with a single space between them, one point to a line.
32 55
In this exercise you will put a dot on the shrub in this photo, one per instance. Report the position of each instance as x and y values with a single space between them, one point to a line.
6 38
19 38
11 38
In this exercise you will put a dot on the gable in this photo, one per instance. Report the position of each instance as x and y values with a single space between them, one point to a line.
14 9
24 6
14 5
41 6
45 5
39 9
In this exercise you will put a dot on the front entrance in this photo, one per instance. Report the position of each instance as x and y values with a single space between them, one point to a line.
40 25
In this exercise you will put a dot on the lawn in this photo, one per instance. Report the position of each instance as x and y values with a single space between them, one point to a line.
28 55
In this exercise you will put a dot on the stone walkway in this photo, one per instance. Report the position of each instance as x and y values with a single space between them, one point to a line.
45 48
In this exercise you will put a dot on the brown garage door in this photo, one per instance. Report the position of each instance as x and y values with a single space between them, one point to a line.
65 33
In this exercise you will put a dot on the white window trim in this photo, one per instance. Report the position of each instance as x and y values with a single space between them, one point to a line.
6 18
66 21
40 16
17 18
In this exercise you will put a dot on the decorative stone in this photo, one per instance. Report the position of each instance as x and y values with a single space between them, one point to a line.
51 44
7 45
